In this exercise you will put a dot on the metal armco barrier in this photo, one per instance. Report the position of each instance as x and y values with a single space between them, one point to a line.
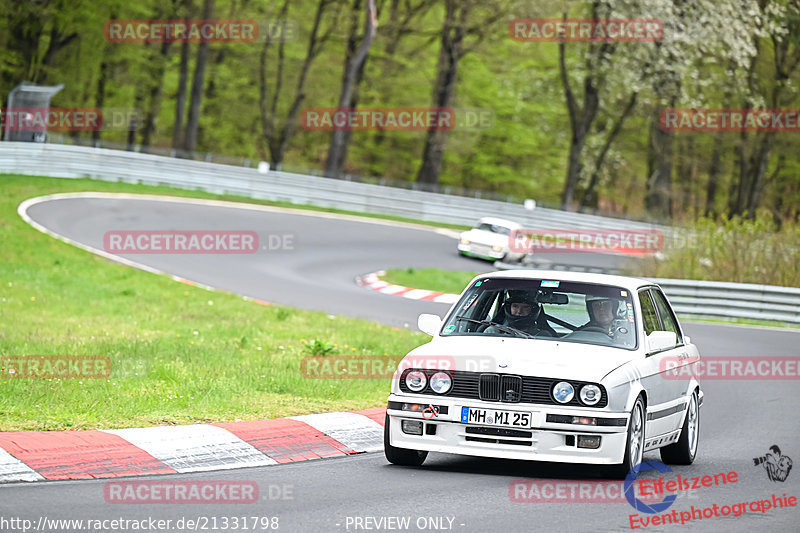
68 161
690 298
716 299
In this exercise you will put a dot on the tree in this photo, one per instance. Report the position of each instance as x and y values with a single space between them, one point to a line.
198 82
277 139
355 59
464 19
782 24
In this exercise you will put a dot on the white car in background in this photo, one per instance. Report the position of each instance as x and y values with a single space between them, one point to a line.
549 366
489 239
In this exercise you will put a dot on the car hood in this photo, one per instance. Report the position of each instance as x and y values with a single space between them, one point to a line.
485 237
530 357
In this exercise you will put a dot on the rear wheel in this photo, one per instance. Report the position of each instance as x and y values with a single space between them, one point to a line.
684 451
634 447
401 456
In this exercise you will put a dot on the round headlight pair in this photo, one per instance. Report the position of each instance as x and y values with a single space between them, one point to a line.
440 381
563 392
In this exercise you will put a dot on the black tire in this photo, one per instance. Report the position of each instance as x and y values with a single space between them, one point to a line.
684 451
633 456
401 456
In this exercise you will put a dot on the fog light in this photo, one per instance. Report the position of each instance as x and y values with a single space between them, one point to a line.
585 420
414 427
497 248
589 441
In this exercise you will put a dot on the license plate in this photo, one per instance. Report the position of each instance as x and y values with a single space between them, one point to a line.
495 417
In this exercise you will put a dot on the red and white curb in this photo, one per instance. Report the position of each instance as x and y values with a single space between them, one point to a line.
374 282
53 455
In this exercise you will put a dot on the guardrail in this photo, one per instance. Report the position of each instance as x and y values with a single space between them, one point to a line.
713 299
690 298
716 299
69 161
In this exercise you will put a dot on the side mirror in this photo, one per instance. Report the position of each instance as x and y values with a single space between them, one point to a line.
687 339
661 340
429 324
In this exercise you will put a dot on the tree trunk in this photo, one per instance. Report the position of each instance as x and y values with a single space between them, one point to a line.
100 94
183 76
580 120
759 171
444 90
193 120
156 94
58 41
355 62
25 33
658 199
268 115
278 143
590 197
713 174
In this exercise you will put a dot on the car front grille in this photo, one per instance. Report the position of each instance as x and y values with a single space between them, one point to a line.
500 388
505 388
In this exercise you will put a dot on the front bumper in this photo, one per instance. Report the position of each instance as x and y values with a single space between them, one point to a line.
481 251
543 441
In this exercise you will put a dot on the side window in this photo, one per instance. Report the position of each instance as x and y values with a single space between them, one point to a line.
664 311
649 317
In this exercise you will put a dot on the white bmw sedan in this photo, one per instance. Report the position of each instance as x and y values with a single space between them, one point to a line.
489 239
548 366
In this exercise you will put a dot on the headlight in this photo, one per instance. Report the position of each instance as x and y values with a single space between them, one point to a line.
416 380
590 394
441 382
563 392
497 248
464 240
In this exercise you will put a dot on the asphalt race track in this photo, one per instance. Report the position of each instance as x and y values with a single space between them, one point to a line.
740 420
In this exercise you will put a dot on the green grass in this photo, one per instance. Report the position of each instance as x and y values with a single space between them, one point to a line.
180 354
433 279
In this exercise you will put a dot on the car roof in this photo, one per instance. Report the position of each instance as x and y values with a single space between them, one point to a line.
626 282
499 222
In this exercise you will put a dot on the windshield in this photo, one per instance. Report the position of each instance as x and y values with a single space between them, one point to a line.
493 228
563 311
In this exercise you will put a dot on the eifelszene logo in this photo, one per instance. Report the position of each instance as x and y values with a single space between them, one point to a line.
777 466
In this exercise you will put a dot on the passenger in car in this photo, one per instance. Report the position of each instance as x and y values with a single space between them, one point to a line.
601 311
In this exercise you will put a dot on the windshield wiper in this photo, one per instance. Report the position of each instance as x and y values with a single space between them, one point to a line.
501 327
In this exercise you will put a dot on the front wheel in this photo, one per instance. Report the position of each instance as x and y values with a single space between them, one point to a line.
684 451
634 447
401 456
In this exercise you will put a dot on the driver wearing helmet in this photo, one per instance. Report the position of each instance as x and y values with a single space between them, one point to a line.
522 311
602 311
